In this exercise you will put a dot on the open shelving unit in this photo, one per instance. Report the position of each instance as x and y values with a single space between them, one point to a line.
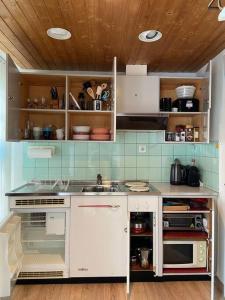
141 240
197 119
206 233
37 85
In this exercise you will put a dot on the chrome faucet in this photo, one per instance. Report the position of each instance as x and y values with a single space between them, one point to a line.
99 179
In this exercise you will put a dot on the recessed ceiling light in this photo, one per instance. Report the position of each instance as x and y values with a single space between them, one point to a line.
59 33
221 16
150 36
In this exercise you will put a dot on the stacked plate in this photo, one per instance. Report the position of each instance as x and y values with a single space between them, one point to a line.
81 133
100 134
185 91
137 186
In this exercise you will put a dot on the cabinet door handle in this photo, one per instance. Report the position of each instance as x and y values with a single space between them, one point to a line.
11 98
99 206
125 229
154 220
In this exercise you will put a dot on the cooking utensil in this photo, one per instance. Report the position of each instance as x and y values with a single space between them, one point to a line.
91 92
74 100
104 85
98 92
105 95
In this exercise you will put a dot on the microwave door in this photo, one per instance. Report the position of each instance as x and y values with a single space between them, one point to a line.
179 254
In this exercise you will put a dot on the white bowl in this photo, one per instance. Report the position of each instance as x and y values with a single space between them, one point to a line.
81 129
185 91
81 137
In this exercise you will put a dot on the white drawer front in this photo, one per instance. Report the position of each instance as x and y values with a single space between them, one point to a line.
142 203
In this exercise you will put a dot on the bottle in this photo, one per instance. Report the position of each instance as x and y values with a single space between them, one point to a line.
27 130
82 101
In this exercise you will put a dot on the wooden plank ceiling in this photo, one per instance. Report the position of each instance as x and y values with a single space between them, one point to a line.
102 29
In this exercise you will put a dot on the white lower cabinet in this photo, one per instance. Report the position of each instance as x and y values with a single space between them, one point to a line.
98 245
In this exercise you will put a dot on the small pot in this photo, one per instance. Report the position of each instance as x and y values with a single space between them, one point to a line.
138 227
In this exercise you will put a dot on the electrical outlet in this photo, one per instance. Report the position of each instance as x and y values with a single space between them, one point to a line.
142 148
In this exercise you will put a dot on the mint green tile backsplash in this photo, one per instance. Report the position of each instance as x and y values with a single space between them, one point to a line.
122 160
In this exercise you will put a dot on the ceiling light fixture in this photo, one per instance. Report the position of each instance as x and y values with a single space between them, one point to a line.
149 36
221 16
59 33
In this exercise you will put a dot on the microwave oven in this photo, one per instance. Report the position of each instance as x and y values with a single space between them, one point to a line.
185 254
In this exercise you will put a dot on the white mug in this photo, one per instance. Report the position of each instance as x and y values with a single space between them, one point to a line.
60 133
37 132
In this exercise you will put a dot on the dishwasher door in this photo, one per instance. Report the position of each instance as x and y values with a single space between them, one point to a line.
98 236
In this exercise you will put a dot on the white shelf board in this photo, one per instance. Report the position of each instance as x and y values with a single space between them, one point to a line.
173 142
179 113
90 111
42 260
187 212
40 110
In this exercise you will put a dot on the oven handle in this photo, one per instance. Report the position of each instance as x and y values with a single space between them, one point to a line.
98 206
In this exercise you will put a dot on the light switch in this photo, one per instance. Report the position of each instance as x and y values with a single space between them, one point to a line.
142 148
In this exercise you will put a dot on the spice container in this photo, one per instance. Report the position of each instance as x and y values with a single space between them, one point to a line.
196 134
189 131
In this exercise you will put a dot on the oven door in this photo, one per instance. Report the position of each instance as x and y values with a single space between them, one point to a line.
179 254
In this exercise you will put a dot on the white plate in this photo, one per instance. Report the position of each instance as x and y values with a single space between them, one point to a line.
139 189
135 183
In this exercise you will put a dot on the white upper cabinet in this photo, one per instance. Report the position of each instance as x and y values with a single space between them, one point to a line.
138 94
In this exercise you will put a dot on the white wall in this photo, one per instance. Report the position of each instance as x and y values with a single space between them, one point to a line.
217 133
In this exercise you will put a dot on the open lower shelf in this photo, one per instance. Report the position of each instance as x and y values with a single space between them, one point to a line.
184 235
138 268
185 271
42 260
146 233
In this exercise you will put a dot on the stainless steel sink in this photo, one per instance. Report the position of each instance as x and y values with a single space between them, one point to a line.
100 189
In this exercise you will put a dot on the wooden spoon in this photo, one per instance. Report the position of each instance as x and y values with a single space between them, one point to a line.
91 92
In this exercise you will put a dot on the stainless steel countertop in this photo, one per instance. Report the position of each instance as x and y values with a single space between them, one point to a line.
44 188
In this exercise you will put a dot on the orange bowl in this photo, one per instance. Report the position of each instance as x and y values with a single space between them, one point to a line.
100 131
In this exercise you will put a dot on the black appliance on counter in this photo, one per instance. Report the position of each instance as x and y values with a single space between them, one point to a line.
186 104
183 222
184 175
178 173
